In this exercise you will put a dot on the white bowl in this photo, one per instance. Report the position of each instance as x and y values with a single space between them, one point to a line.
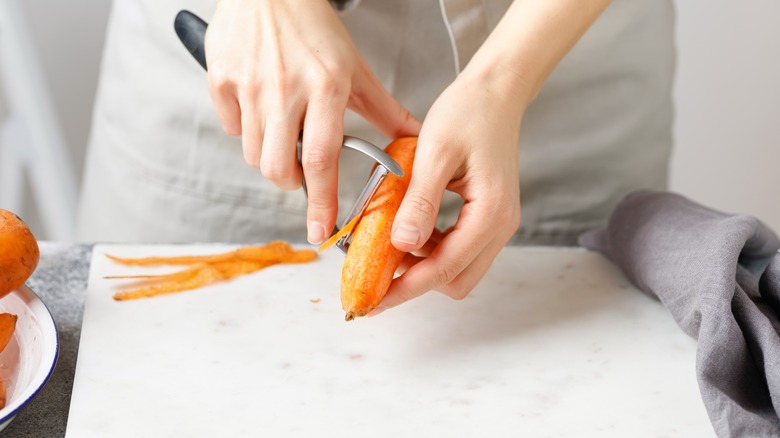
28 360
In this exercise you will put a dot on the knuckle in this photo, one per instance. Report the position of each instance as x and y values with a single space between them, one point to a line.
459 287
276 172
420 204
249 83
250 88
218 78
320 204
327 68
318 158
332 84
446 273
322 210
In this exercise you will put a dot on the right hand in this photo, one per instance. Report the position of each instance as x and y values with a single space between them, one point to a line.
278 66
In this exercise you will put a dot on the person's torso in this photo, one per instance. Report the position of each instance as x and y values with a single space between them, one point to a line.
597 128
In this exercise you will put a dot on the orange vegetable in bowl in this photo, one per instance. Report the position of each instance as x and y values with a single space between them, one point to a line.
19 252
7 326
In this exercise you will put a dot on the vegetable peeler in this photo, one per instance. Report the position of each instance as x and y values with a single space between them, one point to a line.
191 30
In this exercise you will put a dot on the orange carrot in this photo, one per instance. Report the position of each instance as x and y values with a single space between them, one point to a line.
372 259
19 252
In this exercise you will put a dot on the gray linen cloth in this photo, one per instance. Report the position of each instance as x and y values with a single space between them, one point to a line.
719 276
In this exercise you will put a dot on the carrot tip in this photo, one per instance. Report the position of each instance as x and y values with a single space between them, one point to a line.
349 316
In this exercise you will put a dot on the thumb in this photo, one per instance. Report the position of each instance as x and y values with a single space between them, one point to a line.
416 217
375 104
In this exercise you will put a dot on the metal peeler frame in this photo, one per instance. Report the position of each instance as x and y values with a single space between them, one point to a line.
385 165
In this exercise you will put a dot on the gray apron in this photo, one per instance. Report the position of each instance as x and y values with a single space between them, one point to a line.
160 168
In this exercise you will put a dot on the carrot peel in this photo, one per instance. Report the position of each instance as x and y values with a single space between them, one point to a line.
204 270
328 244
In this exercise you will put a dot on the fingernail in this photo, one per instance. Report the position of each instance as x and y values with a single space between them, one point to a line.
316 232
406 233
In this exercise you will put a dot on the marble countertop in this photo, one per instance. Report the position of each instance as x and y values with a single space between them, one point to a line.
612 316
549 334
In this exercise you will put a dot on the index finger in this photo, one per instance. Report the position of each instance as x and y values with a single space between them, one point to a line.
323 134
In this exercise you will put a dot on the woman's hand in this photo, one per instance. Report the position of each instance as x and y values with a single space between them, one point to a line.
278 66
468 145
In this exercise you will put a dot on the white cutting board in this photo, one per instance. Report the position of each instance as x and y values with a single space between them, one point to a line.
553 342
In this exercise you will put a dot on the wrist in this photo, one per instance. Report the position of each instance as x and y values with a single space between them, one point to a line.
529 41
501 79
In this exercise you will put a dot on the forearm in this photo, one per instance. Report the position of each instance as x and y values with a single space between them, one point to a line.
529 41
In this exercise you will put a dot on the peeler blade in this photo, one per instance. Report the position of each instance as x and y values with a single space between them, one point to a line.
377 176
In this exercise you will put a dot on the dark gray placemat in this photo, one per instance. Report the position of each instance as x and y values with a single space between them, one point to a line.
61 282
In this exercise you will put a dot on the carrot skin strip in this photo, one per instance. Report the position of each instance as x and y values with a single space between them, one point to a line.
326 245
277 250
205 270
206 274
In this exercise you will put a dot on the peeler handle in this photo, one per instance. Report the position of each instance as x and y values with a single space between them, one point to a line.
191 30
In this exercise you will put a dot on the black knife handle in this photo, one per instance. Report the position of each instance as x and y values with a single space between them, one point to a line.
191 30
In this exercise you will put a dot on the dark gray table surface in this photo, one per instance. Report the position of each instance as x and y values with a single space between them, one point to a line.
60 280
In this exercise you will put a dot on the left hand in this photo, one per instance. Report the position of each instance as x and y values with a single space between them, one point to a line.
468 145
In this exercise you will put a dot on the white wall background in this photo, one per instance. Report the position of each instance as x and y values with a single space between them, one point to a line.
727 94
69 35
68 39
